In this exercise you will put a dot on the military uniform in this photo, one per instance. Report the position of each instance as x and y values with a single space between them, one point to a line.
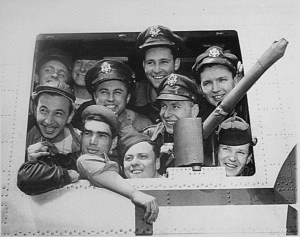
145 94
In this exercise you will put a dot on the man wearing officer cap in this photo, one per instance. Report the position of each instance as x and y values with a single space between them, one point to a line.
52 142
216 73
101 125
140 156
178 97
234 149
159 49
110 83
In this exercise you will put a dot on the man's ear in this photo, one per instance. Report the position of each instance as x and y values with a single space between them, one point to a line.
128 98
94 97
195 110
71 115
177 63
249 158
144 64
157 163
36 78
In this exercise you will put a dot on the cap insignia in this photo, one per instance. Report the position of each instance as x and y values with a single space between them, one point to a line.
154 31
172 80
105 67
214 53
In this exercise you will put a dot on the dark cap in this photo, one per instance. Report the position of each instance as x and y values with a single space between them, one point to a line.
105 115
55 54
55 87
234 131
129 140
155 36
178 87
106 70
215 55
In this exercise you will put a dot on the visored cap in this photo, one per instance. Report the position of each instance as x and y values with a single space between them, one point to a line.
155 36
55 87
106 70
178 87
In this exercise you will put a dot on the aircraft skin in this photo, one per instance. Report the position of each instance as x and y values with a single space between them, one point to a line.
203 202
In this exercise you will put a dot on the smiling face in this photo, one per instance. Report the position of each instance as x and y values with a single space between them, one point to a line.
52 71
96 138
79 70
173 110
52 115
112 94
216 83
158 63
234 158
140 161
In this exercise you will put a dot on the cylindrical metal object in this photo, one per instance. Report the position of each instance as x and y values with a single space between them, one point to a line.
188 142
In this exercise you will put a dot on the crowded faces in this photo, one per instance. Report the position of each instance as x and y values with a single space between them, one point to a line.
234 152
178 96
216 75
52 143
53 65
81 65
140 156
159 49
100 127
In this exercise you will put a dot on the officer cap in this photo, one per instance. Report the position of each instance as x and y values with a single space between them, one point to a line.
106 70
54 54
178 87
155 36
55 87
102 114
234 131
130 139
215 55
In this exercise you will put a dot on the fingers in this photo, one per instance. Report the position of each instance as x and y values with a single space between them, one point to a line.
151 212
35 156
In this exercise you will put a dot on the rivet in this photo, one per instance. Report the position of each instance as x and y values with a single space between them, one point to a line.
228 192
228 201
168 202
228 196
121 230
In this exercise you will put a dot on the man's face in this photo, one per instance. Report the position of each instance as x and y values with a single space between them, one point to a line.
173 110
216 83
52 115
79 70
53 71
112 94
96 138
158 63
233 158
140 161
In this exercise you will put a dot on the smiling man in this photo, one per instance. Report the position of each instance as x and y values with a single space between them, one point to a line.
234 150
140 156
101 125
159 49
178 98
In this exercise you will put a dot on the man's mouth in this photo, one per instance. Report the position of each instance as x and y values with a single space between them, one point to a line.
111 106
170 123
231 166
158 77
81 76
91 150
136 171
218 97
49 129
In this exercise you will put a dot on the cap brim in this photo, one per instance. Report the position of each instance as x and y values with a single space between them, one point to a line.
171 97
45 89
156 44
220 61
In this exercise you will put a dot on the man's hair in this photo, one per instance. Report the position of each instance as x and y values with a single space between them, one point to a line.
71 106
155 148
233 72
174 51
99 118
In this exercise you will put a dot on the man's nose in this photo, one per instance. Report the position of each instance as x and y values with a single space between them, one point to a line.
110 97
168 113
232 157
49 119
157 68
216 86
54 75
135 161
94 140
83 68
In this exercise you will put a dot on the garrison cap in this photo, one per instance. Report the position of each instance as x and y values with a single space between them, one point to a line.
178 87
234 131
130 139
104 115
155 36
55 54
215 55
106 70
55 87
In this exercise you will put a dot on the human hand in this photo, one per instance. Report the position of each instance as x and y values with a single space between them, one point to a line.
74 175
149 203
37 150
240 71
167 148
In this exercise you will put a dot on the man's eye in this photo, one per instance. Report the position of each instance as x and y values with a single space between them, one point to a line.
86 133
206 83
59 114
143 157
165 62
43 111
128 158
149 63
62 75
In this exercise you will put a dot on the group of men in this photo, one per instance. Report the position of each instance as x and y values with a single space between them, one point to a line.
80 126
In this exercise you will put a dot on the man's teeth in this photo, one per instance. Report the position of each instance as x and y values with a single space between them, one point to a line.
230 165
111 106
170 123
217 96
49 129
158 77
137 171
